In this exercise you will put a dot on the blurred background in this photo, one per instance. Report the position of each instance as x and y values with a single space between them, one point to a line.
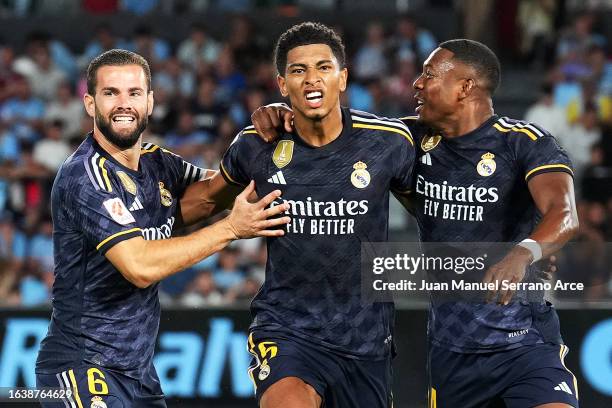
211 63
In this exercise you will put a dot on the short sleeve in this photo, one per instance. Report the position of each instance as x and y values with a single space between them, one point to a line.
235 162
541 154
102 217
403 164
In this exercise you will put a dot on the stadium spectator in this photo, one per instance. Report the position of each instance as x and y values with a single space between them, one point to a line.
53 149
371 58
155 49
104 39
411 40
548 115
208 110
227 276
580 138
202 292
68 109
199 48
22 112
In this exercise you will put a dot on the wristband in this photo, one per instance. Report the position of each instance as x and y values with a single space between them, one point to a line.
533 247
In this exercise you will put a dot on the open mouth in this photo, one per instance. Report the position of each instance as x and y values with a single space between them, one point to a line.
123 119
420 103
314 99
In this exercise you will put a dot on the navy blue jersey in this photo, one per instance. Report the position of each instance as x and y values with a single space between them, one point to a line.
339 197
473 189
98 316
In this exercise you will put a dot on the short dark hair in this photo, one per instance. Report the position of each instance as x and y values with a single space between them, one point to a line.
115 57
305 34
478 56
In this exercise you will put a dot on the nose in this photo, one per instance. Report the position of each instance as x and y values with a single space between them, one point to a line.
418 83
123 102
312 76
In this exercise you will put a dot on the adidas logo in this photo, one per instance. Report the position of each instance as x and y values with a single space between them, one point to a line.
426 159
136 205
564 387
278 178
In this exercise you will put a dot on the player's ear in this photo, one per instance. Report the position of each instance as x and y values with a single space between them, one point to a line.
90 104
282 85
150 103
343 79
467 87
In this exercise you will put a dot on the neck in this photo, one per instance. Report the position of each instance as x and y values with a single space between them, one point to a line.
128 157
319 132
466 119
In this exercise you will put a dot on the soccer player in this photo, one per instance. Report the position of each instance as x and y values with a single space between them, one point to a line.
484 178
115 204
314 340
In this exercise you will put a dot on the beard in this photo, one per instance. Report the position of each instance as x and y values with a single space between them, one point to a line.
121 140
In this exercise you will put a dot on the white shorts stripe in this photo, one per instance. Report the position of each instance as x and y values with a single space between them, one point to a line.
67 384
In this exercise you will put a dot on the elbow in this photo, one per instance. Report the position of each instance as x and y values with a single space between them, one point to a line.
141 282
139 276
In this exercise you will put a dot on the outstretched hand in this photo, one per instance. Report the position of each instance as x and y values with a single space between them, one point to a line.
248 220
269 119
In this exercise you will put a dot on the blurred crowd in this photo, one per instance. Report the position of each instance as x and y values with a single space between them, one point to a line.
205 89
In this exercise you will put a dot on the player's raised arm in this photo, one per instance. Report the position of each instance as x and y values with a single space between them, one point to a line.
269 119
146 262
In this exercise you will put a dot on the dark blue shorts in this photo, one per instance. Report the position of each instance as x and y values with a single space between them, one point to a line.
524 377
97 387
340 381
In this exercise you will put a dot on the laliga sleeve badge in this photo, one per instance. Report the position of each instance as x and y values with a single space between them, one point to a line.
360 176
430 142
97 402
166 197
264 371
283 153
487 165
118 211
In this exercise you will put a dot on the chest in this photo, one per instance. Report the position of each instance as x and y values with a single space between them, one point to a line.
151 199
357 172
476 167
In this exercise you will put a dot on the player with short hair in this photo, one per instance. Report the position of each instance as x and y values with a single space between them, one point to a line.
484 178
315 341
115 204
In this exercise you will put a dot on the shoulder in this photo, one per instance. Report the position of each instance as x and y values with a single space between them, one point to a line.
84 171
394 130
518 130
248 136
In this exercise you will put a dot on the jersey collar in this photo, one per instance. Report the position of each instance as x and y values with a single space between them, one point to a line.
337 143
475 134
110 158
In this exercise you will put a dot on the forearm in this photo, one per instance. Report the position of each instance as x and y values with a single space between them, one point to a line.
555 229
155 260
206 198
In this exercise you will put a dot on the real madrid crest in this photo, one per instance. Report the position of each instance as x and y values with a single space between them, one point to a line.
127 182
264 371
283 153
97 402
166 197
360 176
430 142
487 165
